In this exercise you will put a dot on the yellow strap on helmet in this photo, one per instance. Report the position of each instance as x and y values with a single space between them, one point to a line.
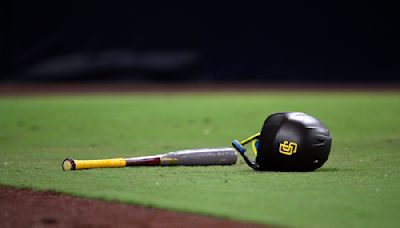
253 145
252 139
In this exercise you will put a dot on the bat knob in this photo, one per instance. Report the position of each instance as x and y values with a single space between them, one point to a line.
68 164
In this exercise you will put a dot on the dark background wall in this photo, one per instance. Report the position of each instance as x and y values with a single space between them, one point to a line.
163 41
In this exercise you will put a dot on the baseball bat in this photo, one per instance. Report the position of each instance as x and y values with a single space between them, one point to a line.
190 157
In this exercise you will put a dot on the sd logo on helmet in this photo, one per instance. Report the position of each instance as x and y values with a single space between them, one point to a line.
289 141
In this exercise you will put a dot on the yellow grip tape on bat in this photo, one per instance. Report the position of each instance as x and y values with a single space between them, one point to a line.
70 164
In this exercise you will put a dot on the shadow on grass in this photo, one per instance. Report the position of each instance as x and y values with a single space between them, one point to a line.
320 170
332 170
327 170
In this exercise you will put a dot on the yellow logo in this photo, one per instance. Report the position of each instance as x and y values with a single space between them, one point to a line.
287 148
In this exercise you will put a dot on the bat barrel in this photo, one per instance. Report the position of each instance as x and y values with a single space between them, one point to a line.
201 157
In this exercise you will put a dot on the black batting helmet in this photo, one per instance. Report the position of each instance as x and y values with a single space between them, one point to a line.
288 141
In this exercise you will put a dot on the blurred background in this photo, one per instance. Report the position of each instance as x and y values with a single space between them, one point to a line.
162 41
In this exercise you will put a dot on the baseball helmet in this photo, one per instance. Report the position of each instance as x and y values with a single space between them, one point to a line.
288 141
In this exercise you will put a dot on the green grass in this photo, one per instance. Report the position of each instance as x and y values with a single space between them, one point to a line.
359 186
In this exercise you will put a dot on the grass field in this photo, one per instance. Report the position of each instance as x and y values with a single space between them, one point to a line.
359 186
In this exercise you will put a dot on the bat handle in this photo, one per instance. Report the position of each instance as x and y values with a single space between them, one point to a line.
70 164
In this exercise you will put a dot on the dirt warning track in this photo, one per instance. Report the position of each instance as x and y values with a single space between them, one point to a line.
27 208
